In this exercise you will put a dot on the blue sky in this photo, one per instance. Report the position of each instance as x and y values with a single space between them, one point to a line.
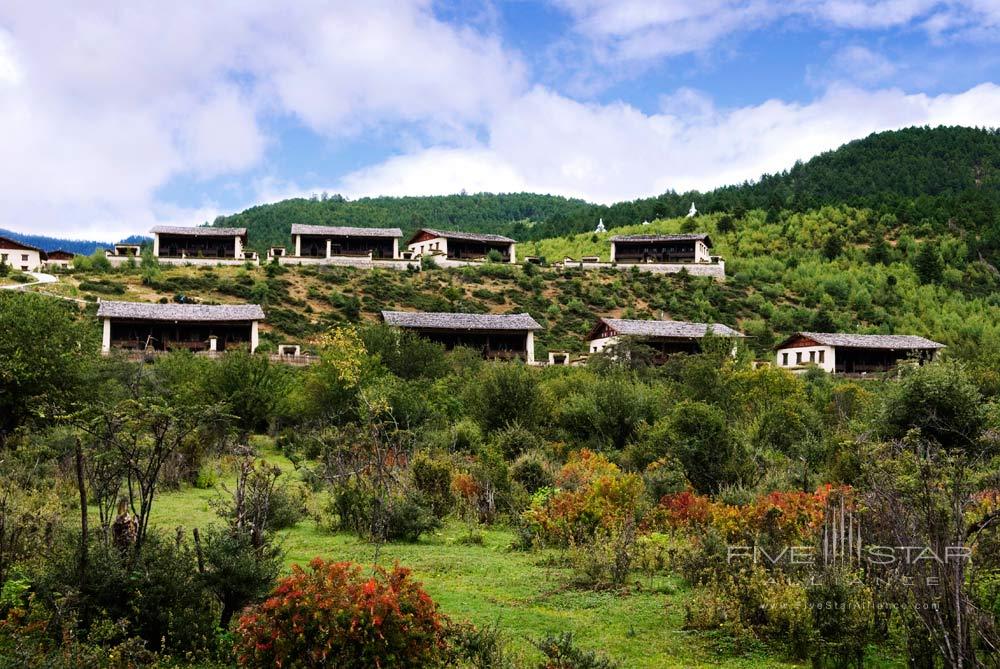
118 116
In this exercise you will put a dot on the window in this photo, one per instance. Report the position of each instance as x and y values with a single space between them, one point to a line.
798 357
3 256
812 356
784 360
24 257
822 356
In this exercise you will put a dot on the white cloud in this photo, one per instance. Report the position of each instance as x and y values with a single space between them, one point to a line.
547 143
103 104
855 64
629 31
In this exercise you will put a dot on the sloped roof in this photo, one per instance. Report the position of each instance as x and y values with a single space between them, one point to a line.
693 237
60 253
448 321
180 312
895 342
343 231
671 329
199 231
8 243
469 236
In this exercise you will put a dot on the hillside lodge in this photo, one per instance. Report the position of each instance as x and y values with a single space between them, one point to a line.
146 327
666 338
318 241
497 337
661 249
59 258
460 245
20 256
177 244
853 353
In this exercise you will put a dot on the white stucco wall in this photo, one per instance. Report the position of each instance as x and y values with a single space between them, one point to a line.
598 345
800 357
429 246
21 260
106 341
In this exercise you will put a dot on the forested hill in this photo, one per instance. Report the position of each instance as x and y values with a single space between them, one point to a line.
85 247
935 175
916 174
506 213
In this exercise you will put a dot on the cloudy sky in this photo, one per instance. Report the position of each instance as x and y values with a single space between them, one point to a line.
116 116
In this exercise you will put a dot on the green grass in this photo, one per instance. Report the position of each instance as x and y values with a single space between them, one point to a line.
521 591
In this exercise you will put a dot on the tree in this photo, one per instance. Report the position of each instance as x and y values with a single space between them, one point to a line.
505 393
698 436
928 264
833 246
240 562
940 401
43 358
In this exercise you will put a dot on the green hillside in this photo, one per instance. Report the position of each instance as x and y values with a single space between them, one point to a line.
504 213
946 176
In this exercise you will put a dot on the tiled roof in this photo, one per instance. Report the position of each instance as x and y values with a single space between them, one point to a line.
694 237
449 321
895 342
470 236
673 329
342 231
180 312
8 243
199 231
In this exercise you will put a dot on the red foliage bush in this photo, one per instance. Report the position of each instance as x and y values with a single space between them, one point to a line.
332 616
781 516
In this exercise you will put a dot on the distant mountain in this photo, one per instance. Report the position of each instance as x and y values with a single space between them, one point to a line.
81 246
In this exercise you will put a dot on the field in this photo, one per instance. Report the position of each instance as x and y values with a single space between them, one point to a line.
527 593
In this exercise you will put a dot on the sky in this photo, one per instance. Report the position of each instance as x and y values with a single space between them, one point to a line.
117 116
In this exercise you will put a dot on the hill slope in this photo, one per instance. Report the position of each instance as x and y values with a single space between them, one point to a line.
506 213
917 173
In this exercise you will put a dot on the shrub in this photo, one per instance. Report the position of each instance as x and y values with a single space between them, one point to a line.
432 477
515 439
597 495
331 616
530 472
757 605
561 653
403 516
503 394
288 505
664 477
236 571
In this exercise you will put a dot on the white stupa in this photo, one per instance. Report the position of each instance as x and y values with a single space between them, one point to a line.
645 222
692 212
600 226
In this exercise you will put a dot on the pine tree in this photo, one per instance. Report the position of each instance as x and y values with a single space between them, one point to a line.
928 264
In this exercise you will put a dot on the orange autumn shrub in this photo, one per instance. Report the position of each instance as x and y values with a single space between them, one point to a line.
332 616
592 494
790 517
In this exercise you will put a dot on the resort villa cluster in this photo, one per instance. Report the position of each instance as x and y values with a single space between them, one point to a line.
149 328
368 248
